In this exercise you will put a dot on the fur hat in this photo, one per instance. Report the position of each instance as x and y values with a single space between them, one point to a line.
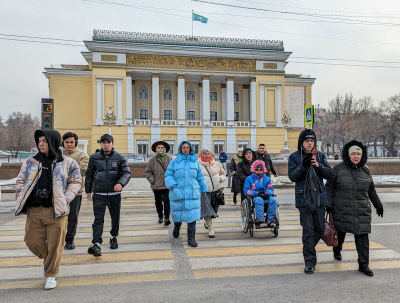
258 163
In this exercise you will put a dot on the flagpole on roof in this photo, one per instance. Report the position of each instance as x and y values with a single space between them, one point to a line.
192 24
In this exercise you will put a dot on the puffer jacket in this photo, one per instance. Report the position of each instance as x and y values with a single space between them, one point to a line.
244 167
155 172
297 173
217 173
82 159
185 181
258 184
66 183
233 167
350 193
104 173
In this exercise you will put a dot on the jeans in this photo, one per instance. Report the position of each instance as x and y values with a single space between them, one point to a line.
313 229
99 208
162 201
259 208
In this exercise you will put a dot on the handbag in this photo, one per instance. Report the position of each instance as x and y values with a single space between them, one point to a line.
330 234
217 197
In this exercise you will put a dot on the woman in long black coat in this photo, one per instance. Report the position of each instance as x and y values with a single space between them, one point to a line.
233 167
350 193
244 168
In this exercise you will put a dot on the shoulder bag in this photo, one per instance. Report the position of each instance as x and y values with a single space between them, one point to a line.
330 234
217 197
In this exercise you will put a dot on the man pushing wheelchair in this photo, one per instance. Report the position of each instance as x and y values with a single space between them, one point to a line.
259 186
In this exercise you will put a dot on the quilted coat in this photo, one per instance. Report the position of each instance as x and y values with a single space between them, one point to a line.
258 184
350 193
185 181
217 173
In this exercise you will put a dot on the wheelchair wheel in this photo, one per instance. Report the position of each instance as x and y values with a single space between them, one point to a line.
245 216
276 231
251 229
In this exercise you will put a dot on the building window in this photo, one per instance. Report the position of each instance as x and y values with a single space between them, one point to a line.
243 144
167 114
190 96
143 94
191 115
213 96
142 148
213 116
167 95
236 116
218 146
196 146
143 114
236 97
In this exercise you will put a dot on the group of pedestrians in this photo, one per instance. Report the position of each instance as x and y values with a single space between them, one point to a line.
50 186
49 191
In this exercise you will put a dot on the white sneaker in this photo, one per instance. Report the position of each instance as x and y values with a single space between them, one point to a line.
51 283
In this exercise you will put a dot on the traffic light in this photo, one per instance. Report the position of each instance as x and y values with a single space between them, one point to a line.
47 113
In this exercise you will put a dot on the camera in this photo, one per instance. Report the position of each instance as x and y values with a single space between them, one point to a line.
42 193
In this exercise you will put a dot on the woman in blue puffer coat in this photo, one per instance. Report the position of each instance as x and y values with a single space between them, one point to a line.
185 181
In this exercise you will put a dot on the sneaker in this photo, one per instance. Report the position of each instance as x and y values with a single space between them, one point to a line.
95 250
51 283
167 222
113 243
69 244
271 224
160 220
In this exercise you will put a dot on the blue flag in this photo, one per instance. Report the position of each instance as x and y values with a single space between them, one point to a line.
199 18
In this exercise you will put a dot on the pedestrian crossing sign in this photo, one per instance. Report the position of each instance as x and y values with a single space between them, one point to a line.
309 115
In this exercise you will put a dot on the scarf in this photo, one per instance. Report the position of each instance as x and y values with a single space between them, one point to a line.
161 156
204 160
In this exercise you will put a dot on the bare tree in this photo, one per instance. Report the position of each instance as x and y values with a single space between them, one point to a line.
390 124
18 132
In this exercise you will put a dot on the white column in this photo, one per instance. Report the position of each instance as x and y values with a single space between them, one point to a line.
246 105
262 104
131 148
155 134
207 138
206 100
253 100
119 103
253 138
279 97
128 100
134 109
224 103
182 134
155 99
181 101
200 100
231 140
99 103
230 101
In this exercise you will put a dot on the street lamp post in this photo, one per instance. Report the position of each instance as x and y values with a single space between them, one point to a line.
110 117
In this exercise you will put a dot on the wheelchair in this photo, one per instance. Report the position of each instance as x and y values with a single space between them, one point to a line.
248 217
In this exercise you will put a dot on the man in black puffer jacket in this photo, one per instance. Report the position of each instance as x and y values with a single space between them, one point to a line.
312 221
107 174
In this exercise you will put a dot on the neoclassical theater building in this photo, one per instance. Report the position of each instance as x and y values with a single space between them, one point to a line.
218 93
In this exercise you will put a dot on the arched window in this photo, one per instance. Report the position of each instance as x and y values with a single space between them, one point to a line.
191 102
168 101
143 101
214 103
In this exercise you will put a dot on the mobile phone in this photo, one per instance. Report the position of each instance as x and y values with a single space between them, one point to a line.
309 155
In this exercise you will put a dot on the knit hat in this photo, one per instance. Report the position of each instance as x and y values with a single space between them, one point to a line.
257 164
355 149
249 151
240 149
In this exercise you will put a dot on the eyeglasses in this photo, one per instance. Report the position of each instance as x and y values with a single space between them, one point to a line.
259 169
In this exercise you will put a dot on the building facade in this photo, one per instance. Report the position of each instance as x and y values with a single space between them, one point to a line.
218 93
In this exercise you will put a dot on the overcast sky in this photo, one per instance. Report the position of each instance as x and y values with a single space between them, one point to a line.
22 83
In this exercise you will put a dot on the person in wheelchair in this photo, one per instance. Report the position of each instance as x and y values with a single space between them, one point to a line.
259 187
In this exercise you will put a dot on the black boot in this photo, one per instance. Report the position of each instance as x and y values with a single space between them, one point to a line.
177 227
69 244
365 269
191 237
336 254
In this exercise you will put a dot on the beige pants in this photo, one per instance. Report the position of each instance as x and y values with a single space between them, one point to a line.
44 236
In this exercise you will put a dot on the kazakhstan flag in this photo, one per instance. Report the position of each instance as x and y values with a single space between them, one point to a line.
199 18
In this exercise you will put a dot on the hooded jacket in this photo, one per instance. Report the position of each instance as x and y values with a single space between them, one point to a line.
350 193
185 181
82 159
104 172
258 183
297 173
66 178
244 167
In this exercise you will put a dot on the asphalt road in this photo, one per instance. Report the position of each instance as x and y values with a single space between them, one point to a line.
217 271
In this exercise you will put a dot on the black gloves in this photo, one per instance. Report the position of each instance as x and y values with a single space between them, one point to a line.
379 211
306 163
265 196
260 194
